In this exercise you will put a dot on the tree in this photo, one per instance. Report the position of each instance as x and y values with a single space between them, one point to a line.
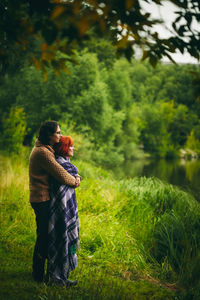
14 126
119 85
193 143
154 134
105 51
59 25
177 84
181 125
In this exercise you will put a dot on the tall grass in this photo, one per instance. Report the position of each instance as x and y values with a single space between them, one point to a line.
166 224
138 237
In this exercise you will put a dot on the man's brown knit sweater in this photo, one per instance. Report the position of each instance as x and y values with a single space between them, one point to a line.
42 165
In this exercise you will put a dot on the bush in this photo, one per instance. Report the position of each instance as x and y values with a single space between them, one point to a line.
193 143
14 130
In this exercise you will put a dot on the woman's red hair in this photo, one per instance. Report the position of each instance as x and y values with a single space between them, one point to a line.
62 147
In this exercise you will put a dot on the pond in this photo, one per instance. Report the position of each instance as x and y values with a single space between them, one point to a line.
183 173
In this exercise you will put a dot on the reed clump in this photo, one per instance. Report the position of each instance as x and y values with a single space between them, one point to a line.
166 226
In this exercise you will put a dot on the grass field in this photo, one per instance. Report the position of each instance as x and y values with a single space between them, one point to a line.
139 238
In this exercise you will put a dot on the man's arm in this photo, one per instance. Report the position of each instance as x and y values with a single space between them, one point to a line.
52 167
78 181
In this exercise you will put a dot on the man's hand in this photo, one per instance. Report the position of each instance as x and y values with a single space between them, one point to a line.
77 181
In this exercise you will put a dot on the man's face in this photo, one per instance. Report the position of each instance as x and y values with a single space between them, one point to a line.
55 138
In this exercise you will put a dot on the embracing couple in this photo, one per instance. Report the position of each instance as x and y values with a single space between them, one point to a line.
52 181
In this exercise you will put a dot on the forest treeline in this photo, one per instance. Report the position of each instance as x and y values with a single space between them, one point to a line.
116 109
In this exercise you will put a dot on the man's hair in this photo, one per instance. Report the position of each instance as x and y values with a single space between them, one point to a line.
46 130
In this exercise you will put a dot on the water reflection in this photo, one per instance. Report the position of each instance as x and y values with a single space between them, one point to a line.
184 173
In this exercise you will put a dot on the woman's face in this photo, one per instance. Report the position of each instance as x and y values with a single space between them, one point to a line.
55 138
70 151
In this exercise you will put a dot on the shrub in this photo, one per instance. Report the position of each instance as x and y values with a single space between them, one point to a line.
193 143
14 130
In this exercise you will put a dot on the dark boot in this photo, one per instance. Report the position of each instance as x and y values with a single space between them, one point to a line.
69 283
38 267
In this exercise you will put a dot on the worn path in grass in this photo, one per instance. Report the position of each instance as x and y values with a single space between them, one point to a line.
94 282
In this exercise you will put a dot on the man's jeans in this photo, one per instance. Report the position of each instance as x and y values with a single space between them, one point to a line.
41 246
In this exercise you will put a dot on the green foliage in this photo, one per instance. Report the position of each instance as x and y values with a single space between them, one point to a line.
41 101
126 109
14 130
193 143
119 85
26 24
177 84
91 108
179 126
104 50
154 134
129 140
83 74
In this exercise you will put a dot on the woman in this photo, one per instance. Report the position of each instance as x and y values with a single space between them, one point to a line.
42 165
63 220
